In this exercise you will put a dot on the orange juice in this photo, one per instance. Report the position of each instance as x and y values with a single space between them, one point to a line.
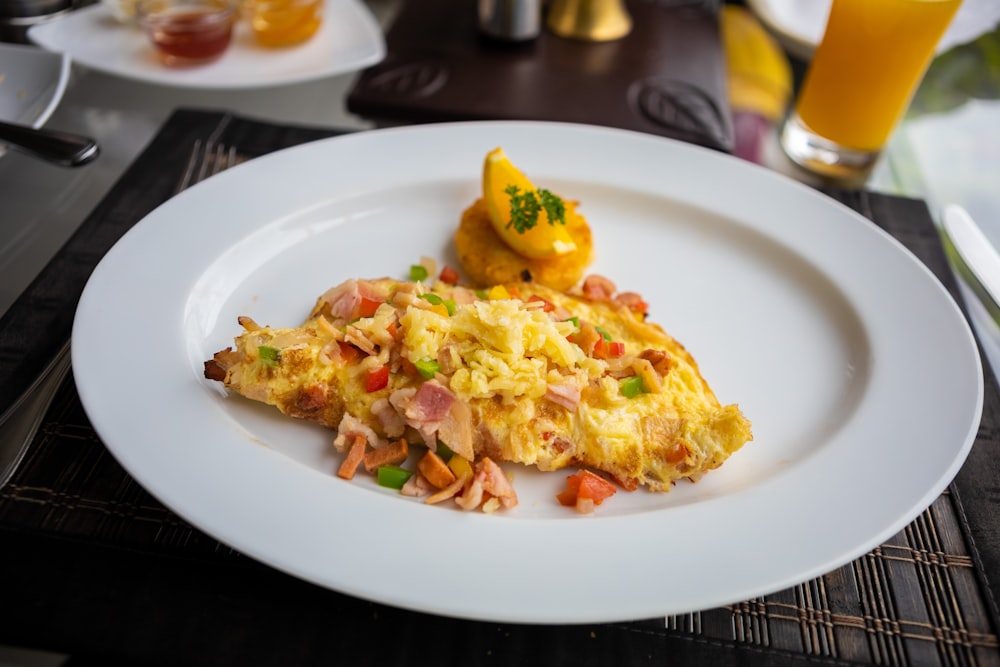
868 66
284 22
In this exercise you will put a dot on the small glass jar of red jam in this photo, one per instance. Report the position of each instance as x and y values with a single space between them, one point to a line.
188 32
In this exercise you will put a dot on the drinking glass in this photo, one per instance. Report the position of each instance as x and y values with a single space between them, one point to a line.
278 23
188 32
860 81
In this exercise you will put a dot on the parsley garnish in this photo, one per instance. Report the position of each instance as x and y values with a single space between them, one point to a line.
524 208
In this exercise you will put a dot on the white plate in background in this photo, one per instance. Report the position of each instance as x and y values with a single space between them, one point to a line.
349 39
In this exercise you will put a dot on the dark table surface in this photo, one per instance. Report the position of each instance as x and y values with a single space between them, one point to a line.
666 77
93 566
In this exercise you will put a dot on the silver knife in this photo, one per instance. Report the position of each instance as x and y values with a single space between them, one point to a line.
975 250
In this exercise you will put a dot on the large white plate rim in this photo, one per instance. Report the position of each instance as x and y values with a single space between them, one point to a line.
583 589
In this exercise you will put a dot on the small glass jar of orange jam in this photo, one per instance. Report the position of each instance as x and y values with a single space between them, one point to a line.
188 32
280 23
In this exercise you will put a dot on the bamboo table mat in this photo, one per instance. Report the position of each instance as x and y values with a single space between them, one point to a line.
92 565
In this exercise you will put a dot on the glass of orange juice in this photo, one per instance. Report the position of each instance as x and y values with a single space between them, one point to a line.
284 22
860 81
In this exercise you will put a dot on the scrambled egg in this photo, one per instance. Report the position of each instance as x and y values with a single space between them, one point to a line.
521 373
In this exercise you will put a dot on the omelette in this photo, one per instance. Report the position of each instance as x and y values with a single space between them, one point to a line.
517 373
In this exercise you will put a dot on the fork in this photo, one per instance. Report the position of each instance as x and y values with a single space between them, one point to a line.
207 159
20 422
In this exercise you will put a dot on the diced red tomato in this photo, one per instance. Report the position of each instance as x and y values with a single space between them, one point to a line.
547 305
594 487
568 497
393 329
449 275
348 352
377 378
367 307
587 487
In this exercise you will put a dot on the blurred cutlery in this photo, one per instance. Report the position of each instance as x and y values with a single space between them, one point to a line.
62 148
974 249
20 422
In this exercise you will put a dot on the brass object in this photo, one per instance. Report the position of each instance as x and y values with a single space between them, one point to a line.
589 20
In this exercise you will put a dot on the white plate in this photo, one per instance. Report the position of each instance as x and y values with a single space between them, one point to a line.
857 369
348 39
799 24
32 83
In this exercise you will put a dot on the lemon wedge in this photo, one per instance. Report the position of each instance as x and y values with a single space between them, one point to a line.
540 241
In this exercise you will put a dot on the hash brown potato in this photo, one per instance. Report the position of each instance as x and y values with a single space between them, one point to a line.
487 260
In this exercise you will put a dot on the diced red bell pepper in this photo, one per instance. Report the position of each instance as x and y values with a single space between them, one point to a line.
367 307
449 275
377 378
616 349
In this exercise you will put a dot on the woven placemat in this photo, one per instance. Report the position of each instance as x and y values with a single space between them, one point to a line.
89 557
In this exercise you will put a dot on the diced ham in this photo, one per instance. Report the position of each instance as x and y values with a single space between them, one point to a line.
430 404
355 454
634 302
495 482
424 409
391 421
393 453
598 288
660 360
344 300
564 395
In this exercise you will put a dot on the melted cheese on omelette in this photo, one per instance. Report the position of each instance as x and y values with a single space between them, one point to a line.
519 373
